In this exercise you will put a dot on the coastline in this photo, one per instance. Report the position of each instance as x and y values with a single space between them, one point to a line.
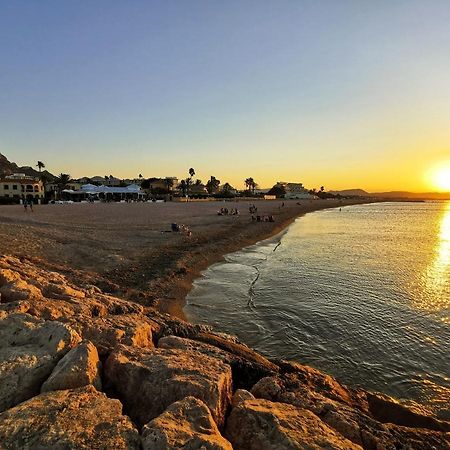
178 284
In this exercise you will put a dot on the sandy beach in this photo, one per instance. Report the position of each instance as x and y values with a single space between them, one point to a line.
127 249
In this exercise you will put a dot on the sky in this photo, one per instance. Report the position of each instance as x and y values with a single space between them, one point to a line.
345 94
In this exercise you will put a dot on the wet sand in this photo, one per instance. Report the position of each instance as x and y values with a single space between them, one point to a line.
128 249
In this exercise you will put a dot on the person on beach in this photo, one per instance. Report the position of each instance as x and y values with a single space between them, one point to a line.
31 205
25 205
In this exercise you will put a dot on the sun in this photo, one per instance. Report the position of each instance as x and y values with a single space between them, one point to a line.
439 177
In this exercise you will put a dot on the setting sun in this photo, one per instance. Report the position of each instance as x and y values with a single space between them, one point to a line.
439 177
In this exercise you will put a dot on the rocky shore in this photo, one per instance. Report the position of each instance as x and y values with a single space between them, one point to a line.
81 369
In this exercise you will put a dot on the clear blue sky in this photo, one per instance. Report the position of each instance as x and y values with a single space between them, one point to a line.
340 93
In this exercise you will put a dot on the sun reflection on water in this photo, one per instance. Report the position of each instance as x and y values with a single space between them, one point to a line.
436 278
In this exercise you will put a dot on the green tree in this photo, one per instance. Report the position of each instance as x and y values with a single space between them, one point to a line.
61 182
212 185
169 184
40 165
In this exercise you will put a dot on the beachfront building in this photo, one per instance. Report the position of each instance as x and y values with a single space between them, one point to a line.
19 186
294 191
106 193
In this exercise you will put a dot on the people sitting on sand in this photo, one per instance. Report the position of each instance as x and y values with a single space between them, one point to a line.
179 228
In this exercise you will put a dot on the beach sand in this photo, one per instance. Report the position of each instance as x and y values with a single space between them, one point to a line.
127 249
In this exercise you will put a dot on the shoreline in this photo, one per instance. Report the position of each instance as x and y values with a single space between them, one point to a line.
178 285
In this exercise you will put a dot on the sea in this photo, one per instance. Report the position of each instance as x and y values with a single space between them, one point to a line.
360 292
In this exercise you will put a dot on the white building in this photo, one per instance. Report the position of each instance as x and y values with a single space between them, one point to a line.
295 191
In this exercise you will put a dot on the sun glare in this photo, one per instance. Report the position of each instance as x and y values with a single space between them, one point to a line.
439 177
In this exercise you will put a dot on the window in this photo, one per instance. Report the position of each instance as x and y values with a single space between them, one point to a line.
5 187
14 187
6 195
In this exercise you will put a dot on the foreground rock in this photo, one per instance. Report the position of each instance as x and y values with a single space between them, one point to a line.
264 425
80 367
347 411
49 295
109 331
73 419
149 380
247 365
185 424
29 350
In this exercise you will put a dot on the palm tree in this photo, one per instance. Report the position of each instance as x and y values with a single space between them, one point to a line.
212 185
169 184
189 180
40 165
250 184
183 186
322 188
61 181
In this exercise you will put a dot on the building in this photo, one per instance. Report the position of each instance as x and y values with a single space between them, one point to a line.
294 191
20 186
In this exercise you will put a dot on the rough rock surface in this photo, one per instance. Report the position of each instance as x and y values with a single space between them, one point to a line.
264 425
149 380
247 365
79 367
345 410
184 424
107 332
240 396
72 419
49 295
29 350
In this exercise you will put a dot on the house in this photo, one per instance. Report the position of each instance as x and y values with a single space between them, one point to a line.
20 186
294 191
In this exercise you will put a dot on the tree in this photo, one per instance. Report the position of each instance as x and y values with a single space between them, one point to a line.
61 182
250 184
169 184
183 186
40 165
198 182
212 185
322 188
189 180
279 191
140 175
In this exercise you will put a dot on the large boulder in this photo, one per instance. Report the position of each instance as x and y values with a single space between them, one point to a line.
247 365
346 411
184 424
79 419
79 367
264 425
149 380
107 332
51 296
30 349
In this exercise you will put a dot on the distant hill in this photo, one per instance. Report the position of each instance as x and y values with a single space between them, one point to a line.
352 192
7 168
396 194
413 195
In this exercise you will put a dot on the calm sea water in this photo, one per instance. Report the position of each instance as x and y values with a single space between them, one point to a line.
362 294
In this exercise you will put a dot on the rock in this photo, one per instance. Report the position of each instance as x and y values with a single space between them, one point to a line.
388 410
344 410
79 367
30 349
13 287
107 332
241 395
149 380
247 366
184 424
52 296
264 425
72 419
